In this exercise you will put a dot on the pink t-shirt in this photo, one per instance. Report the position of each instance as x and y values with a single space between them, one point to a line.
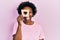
30 32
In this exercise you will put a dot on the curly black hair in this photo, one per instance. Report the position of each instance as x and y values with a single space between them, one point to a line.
29 4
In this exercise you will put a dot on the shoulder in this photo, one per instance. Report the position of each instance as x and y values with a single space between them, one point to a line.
15 23
37 24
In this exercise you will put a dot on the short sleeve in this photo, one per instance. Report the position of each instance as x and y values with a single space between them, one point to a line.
41 36
15 27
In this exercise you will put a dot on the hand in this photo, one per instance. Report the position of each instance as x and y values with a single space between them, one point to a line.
20 19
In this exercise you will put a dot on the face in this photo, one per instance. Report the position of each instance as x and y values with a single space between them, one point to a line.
30 11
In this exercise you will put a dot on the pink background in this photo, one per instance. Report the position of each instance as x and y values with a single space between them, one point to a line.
48 16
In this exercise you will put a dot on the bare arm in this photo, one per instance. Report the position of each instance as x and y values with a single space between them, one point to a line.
18 35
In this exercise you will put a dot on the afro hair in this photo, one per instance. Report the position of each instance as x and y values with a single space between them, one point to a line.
29 4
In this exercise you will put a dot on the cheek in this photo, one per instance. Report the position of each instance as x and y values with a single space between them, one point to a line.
30 14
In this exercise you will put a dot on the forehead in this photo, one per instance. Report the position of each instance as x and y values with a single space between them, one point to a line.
27 8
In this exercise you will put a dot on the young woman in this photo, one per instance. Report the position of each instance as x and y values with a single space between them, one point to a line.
25 28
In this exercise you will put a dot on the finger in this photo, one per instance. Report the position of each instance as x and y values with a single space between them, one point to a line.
21 17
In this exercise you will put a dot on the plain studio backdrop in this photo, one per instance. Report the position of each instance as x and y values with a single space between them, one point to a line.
48 15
